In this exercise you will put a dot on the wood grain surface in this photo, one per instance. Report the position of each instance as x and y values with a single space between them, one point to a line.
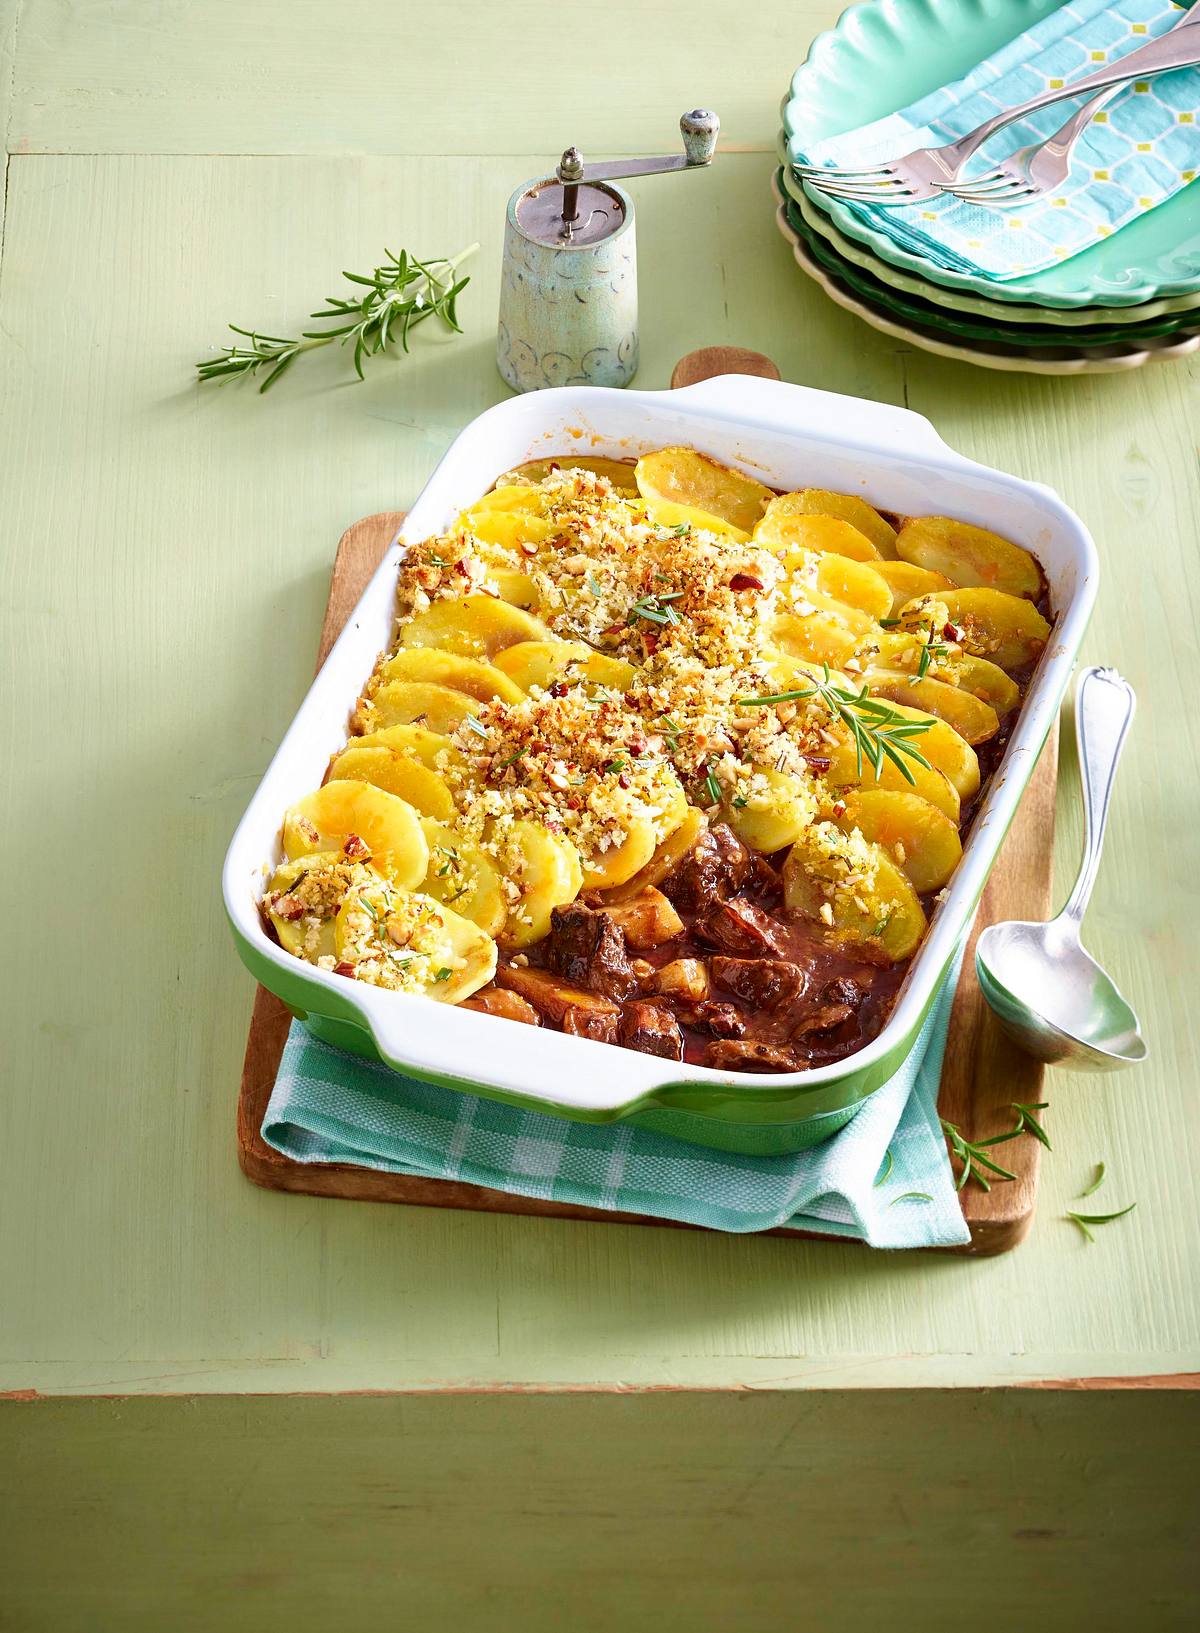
166 563
982 1075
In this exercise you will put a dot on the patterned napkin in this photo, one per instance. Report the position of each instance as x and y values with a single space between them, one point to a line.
1140 149
885 1178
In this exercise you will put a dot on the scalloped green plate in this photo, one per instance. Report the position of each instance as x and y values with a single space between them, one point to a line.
933 317
958 300
884 54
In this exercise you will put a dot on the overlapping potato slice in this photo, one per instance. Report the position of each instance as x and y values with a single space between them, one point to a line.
878 909
430 747
988 681
904 649
415 702
469 675
408 942
476 626
784 526
462 876
541 663
668 513
614 866
830 633
1005 629
667 855
684 477
546 870
620 474
295 932
395 770
945 750
907 582
388 827
853 584
844 772
971 717
774 817
968 555
846 507
922 840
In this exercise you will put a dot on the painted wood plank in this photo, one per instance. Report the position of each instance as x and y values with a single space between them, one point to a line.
156 627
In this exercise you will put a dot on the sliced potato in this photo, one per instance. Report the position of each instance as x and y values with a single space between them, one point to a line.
785 527
945 750
971 717
769 823
853 584
989 682
295 934
430 747
546 869
603 869
508 528
477 626
469 675
906 582
667 513
396 771
621 475
388 826
417 703
463 877
922 840
540 663
927 781
516 588
902 649
667 856
515 498
408 942
846 507
879 910
1005 629
685 477
829 634
968 555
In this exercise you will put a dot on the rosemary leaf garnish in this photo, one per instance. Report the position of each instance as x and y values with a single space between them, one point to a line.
1083 1220
886 1171
398 295
656 609
973 1157
878 732
910 1196
1097 1181
1026 1123
509 759
444 973
477 726
712 785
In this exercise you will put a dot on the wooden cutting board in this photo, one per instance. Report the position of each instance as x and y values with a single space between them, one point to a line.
983 1073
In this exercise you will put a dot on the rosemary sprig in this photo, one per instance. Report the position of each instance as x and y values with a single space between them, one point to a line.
656 608
712 786
972 1155
1083 1220
398 295
878 732
910 1196
885 1171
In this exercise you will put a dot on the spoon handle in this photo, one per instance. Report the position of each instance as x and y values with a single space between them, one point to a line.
1104 705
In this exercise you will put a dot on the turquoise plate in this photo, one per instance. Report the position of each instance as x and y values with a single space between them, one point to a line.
886 53
934 318
1065 319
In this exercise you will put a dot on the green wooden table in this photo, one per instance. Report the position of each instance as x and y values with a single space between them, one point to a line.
227 1406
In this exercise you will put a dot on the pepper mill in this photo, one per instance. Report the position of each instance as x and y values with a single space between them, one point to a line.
568 288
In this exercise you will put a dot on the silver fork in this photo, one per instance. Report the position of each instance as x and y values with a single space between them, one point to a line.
926 171
1033 170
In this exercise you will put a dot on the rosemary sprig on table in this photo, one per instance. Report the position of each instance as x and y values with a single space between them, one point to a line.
973 1154
878 732
1084 1220
401 293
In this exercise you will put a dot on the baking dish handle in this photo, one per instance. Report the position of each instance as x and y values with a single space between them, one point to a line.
781 406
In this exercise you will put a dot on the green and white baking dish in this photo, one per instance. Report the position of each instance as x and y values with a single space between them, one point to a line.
790 437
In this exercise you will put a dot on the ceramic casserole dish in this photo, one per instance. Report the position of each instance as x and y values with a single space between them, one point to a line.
789 437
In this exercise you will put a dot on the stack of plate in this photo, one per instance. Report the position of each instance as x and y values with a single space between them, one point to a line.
1133 298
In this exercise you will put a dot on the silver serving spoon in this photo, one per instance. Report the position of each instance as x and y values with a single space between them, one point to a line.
1051 996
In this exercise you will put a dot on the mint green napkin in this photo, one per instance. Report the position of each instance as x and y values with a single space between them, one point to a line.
884 1179
1136 153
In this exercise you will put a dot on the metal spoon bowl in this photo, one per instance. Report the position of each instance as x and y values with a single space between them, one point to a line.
1049 993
